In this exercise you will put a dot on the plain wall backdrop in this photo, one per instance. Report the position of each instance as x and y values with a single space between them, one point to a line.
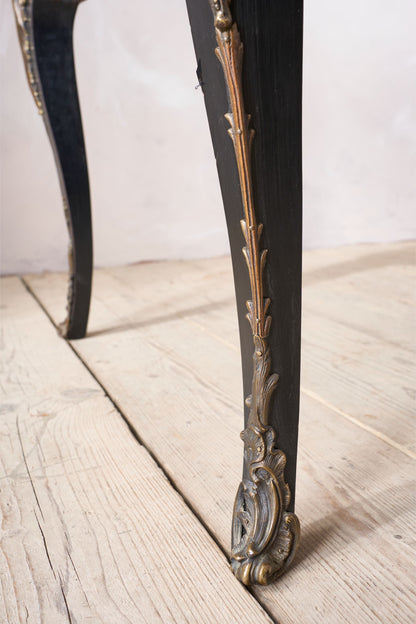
154 187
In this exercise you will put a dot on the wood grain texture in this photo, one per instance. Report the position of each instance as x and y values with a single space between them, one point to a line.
359 334
92 531
359 323
164 343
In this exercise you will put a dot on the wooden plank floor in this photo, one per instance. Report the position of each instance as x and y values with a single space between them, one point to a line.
93 531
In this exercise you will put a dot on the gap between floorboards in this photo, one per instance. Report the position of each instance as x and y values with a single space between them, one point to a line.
316 397
139 440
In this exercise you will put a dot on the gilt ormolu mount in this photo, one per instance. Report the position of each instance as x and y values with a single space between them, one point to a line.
265 535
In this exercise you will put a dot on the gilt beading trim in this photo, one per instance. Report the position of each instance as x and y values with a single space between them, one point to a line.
23 14
264 535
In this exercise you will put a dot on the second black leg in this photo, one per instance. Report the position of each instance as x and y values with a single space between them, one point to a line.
45 31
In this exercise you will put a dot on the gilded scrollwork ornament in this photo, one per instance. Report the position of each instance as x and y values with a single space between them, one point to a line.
23 14
265 534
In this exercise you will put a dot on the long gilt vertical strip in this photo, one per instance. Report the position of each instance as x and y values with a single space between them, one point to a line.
265 534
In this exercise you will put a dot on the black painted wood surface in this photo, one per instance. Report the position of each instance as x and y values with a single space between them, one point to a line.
271 31
52 30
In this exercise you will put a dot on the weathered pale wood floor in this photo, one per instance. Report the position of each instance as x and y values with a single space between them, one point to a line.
102 522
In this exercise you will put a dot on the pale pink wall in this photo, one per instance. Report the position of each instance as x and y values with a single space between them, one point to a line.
153 179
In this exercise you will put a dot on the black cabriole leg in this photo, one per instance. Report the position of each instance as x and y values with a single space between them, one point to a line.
45 33
258 152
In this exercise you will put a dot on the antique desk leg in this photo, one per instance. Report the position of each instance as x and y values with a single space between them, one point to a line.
45 33
249 55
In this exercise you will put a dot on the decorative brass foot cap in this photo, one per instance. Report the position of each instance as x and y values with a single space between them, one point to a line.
264 539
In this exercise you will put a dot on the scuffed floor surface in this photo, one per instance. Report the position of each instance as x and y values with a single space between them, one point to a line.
120 453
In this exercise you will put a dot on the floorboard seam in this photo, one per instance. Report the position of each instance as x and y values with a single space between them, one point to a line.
316 397
138 439
356 421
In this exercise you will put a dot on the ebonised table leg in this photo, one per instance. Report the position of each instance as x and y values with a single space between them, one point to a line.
45 33
249 55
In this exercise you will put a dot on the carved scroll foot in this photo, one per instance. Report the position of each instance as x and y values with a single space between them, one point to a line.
264 535
45 33
249 564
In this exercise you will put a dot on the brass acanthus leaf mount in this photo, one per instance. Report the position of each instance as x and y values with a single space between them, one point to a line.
23 14
264 535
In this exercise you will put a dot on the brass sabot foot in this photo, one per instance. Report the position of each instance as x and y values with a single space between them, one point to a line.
251 564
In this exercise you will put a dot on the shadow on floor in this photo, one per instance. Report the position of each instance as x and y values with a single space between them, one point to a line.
403 255
163 318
